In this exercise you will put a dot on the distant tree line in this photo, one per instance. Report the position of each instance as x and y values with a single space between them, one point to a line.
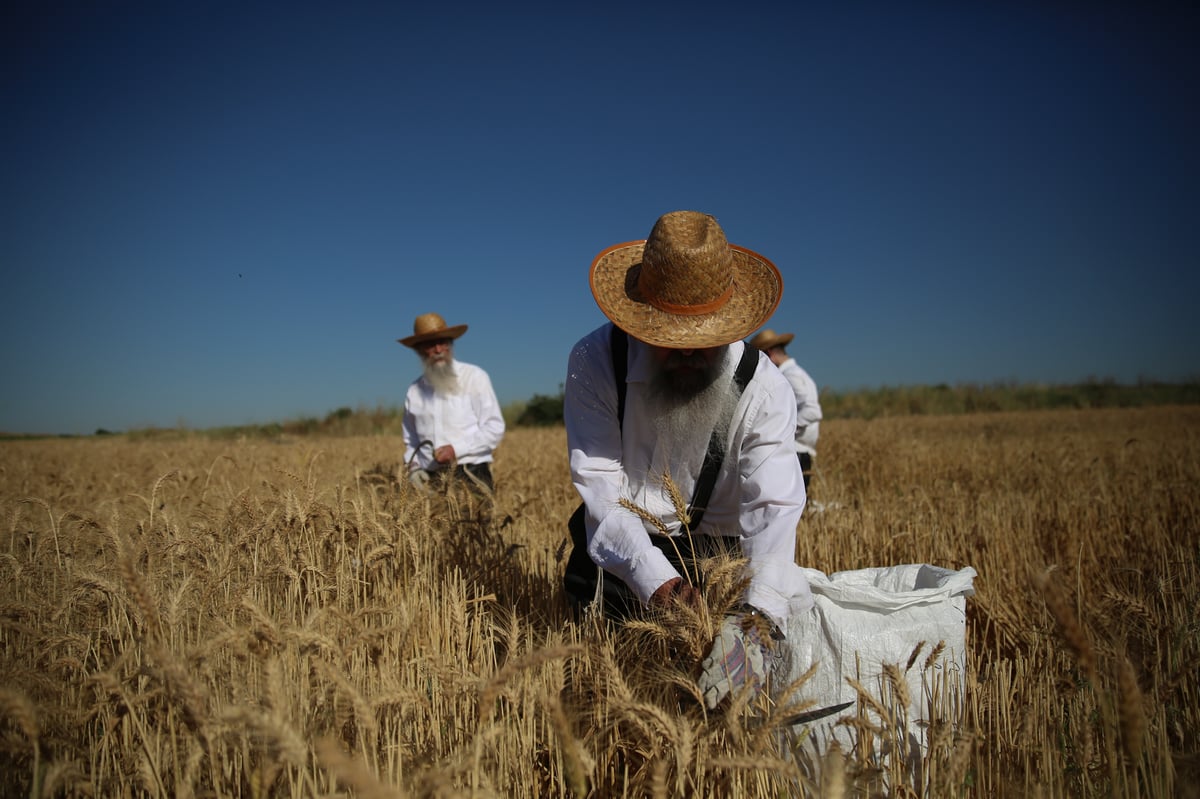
865 403
541 410
943 399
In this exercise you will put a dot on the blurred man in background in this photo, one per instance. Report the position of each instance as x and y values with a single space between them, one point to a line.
808 408
452 419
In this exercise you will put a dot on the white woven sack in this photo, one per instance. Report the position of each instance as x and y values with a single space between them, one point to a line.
865 618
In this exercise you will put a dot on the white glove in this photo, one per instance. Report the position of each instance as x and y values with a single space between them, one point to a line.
419 479
738 657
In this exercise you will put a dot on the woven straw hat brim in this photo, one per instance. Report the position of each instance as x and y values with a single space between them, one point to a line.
446 332
757 289
768 339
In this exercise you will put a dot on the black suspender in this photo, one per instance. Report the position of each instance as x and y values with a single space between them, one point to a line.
619 342
716 449
713 458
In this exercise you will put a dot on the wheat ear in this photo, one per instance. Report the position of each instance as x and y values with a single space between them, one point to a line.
1129 710
1072 632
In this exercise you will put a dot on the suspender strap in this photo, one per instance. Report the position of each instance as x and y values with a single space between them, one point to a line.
746 368
619 342
715 455
716 450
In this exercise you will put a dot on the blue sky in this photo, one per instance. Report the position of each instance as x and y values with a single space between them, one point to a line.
226 213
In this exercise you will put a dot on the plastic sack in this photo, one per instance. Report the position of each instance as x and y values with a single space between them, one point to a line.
862 620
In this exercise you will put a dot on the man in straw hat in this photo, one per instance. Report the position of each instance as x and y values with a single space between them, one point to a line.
808 407
452 420
666 403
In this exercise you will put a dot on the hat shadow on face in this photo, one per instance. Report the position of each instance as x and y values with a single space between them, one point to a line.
632 289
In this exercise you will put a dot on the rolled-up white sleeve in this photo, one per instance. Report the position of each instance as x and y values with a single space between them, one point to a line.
772 500
617 539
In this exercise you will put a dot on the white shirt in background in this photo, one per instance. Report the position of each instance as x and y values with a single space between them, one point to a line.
469 420
808 408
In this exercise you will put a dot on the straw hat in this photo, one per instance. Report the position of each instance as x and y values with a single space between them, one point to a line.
430 326
768 338
685 287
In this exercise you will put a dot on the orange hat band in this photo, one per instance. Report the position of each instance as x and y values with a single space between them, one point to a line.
695 310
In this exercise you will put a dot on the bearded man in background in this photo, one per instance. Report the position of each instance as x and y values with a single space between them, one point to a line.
452 419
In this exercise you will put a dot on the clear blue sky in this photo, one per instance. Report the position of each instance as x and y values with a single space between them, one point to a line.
226 213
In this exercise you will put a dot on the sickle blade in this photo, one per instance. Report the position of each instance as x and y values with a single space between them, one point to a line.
819 713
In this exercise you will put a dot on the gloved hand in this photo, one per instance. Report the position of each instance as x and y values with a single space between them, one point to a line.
419 478
738 657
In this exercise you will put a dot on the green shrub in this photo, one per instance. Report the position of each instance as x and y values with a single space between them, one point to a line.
541 411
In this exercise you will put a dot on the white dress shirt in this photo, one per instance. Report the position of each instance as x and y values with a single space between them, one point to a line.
808 407
469 420
759 492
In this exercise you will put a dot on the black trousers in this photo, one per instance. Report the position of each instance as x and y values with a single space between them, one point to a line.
620 602
806 467
481 471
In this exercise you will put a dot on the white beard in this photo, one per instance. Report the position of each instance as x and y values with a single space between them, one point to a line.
679 418
441 376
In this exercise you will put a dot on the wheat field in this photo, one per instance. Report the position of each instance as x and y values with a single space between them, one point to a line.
190 617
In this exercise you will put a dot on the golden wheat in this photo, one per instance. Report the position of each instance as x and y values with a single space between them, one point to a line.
187 616
1129 709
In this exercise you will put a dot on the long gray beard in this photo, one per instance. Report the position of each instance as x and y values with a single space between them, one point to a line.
441 376
681 418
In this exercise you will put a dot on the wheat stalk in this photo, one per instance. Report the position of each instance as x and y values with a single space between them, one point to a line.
53 527
352 772
18 707
833 773
577 763
272 731
866 698
192 699
492 688
140 593
364 715
785 768
898 685
934 655
1072 632
677 500
916 652
643 514
1129 710
64 777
